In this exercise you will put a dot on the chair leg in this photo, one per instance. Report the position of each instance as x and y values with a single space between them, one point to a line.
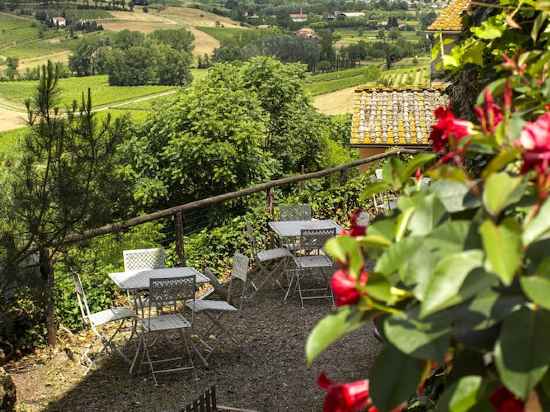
221 327
289 286
299 289
186 339
140 343
150 362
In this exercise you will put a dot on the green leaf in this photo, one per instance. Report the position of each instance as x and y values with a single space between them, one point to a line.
402 223
450 237
454 195
505 156
394 378
379 288
537 25
448 172
500 192
332 328
417 339
346 249
503 248
395 255
374 189
521 352
537 227
427 214
447 279
375 241
461 396
418 161
537 288
490 29
384 228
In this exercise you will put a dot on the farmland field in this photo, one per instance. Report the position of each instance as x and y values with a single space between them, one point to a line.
72 89
350 36
331 82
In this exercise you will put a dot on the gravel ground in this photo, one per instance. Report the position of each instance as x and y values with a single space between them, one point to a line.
266 373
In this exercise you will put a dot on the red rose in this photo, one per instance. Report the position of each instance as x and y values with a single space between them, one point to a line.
447 127
504 401
535 141
344 287
490 114
344 397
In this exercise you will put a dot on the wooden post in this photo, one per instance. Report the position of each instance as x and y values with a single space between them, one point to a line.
180 248
344 176
269 201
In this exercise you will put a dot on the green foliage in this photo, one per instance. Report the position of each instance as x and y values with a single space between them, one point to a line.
461 278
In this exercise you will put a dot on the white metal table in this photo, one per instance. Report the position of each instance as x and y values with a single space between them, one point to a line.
137 280
293 228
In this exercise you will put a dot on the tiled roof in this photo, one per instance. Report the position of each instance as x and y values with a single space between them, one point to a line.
450 17
389 117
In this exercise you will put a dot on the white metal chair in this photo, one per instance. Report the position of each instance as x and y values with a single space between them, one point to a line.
216 309
311 261
142 259
139 259
98 319
164 314
268 262
295 212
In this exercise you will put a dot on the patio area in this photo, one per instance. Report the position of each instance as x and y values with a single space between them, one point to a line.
267 372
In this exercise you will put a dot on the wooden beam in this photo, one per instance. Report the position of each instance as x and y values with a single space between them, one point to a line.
124 225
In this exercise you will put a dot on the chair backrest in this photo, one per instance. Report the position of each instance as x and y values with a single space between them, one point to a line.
81 298
139 259
171 294
315 239
295 212
205 403
240 272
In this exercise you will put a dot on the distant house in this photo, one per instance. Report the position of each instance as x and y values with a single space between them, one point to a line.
306 33
447 28
59 21
298 17
349 14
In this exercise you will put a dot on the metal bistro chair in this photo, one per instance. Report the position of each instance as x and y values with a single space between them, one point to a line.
142 259
98 319
167 299
295 212
268 262
312 261
216 309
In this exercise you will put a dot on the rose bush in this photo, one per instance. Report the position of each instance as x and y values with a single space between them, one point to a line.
461 280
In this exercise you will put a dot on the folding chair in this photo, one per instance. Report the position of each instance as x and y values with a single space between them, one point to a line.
268 262
139 259
98 319
312 261
167 300
216 309
295 212
142 259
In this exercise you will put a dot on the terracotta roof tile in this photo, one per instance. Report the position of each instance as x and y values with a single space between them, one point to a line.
450 17
389 116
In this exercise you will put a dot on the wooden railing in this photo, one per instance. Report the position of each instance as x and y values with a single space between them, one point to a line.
177 212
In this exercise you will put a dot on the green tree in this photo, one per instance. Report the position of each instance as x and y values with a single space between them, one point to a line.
173 67
133 67
295 131
65 180
178 39
11 67
195 146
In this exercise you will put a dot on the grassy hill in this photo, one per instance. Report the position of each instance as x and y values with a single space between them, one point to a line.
330 82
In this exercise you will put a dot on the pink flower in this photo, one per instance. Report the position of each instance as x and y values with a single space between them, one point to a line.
447 128
490 114
535 141
504 401
344 397
344 287
359 220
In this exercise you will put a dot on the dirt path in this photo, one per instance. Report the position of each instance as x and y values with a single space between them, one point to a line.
11 116
339 102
